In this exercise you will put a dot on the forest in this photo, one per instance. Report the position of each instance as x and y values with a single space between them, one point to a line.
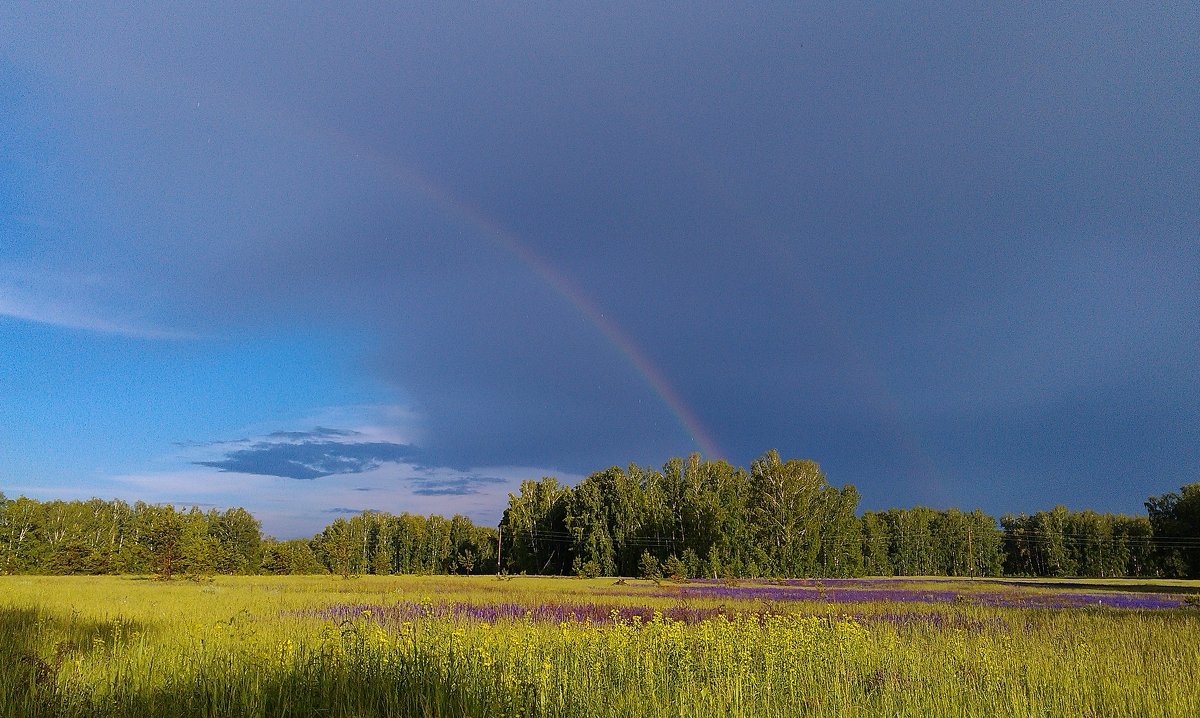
691 518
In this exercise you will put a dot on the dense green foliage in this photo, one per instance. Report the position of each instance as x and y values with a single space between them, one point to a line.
783 519
691 518
1175 522
708 518
380 543
96 537
1083 543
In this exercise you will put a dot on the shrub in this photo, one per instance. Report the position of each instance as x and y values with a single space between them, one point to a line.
675 569
648 566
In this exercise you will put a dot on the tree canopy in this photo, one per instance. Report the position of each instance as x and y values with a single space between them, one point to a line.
689 518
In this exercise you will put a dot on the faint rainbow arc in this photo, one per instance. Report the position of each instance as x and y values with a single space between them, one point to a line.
869 372
552 276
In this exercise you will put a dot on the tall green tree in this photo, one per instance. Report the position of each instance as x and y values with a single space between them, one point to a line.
239 538
291 557
587 519
199 549
163 536
1175 520
534 528
20 532
382 552
336 548
786 508
912 551
876 541
841 537
1133 537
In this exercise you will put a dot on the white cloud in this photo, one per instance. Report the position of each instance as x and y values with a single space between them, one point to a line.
71 301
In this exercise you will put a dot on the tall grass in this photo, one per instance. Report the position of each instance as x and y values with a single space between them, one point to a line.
250 646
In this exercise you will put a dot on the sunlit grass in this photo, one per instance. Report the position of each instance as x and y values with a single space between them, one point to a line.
259 646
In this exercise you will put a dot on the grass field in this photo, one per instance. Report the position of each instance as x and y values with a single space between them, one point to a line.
458 646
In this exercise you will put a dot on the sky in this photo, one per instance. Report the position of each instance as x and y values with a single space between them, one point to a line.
313 259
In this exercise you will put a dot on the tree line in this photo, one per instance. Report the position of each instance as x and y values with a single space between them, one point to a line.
691 518
97 537
375 542
696 518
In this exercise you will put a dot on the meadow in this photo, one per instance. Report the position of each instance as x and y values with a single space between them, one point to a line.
526 646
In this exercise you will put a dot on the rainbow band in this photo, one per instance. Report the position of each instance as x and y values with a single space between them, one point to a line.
552 276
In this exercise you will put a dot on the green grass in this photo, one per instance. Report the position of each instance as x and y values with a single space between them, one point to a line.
122 646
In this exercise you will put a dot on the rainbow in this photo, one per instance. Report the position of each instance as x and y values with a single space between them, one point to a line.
492 231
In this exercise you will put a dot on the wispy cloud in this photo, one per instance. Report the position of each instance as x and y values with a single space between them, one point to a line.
71 302
73 318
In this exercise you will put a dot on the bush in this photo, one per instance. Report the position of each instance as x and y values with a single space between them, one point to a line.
648 566
675 569
587 569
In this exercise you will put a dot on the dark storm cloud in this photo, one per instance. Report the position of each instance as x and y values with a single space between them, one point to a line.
321 452
830 229
310 459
